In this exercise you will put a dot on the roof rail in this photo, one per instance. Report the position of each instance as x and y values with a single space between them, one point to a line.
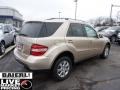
65 19
57 18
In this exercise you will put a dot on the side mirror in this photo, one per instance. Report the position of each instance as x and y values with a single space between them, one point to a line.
100 36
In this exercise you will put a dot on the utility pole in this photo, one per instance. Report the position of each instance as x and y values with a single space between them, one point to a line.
111 21
59 14
118 16
76 9
111 15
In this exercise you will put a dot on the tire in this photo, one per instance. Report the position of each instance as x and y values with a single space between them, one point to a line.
14 41
106 52
119 42
113 39
2 48
60 71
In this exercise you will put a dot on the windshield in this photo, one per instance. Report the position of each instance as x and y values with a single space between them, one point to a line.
39 29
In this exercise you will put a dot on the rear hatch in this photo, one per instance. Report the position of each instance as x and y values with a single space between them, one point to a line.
36 35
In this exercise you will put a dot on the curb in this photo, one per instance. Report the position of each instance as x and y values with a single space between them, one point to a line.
7 51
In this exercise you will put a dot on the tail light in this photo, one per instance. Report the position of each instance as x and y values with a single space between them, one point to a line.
38 50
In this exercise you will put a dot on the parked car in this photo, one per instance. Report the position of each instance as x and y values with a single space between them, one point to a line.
111 33
118 37
7 37
100 28
16 30
58 44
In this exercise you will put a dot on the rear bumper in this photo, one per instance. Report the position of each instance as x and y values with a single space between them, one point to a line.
33 62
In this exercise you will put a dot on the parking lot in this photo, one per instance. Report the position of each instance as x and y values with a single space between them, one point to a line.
92 74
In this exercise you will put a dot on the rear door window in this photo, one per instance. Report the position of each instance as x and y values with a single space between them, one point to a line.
76 30
40 29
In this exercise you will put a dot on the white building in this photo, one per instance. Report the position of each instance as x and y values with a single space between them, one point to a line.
9 15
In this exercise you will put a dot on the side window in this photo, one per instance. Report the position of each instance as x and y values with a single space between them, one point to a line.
43 31
9 28
90 31
6 29
49 28
76 30
52 27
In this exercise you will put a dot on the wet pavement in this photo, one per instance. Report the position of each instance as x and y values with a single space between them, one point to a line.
92 74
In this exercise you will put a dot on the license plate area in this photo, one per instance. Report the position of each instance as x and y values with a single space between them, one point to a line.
20 46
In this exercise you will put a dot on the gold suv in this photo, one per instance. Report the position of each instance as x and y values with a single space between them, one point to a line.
57 44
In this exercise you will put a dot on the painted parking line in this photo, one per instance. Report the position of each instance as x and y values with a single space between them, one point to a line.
7 51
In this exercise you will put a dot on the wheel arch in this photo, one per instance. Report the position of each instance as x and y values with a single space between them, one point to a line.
65 53
2 41
108 43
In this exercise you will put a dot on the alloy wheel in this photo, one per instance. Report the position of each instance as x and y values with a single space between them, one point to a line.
63 68
2 48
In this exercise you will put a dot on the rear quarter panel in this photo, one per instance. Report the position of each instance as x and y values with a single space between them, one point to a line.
56 45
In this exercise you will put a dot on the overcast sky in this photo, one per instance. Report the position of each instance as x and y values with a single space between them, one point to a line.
42 9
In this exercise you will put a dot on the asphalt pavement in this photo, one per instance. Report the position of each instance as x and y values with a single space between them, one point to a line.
91 74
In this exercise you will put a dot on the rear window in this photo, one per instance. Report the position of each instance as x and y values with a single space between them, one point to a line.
40 29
